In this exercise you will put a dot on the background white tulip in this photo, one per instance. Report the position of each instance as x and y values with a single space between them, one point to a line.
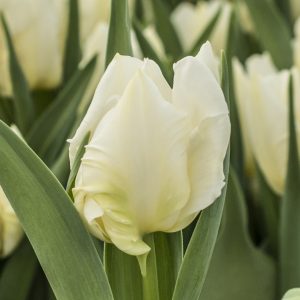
155 154
34 27
293 294
11 231
262 94
193 19
39 28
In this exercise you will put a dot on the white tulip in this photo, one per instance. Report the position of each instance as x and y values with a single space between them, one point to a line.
155 155
263 105
293 294
34 27
190 21
11 231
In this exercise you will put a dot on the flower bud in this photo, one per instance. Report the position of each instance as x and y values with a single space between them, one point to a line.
155 155
263 105
193 19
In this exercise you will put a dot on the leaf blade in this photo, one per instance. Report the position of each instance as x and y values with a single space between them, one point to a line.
23 103
61 242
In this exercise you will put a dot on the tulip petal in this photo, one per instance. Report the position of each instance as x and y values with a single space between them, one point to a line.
260 64
243 95
196 90
206 155
267 126
136 161
111 87
207 57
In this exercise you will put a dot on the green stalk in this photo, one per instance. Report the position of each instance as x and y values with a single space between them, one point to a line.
150 278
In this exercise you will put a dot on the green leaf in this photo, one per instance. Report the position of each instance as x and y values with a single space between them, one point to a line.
51 130
205 34
17 277
23 104
169 254
123 273
77 162
61 167
198 255
119 40
289 242
58 236
270 212
150 276
165 29
162 265
285 8
72 55
238 269
149 52
236 145
272 31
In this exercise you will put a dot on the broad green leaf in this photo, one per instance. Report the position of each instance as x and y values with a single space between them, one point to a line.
61 167
62 244
270 212
205 34
150 276
119 31
23 104
51 130
123 273
165 29
169 254
272 31
198 255
238 270
161 268
285 9
72 53
149 52
162 265
289 237
17 276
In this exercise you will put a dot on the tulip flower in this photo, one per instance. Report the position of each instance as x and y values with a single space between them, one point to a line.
193 19
155 155
293 294
38 29
263 104
11 231
34 27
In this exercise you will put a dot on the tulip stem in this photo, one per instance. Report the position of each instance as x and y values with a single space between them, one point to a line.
150 279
